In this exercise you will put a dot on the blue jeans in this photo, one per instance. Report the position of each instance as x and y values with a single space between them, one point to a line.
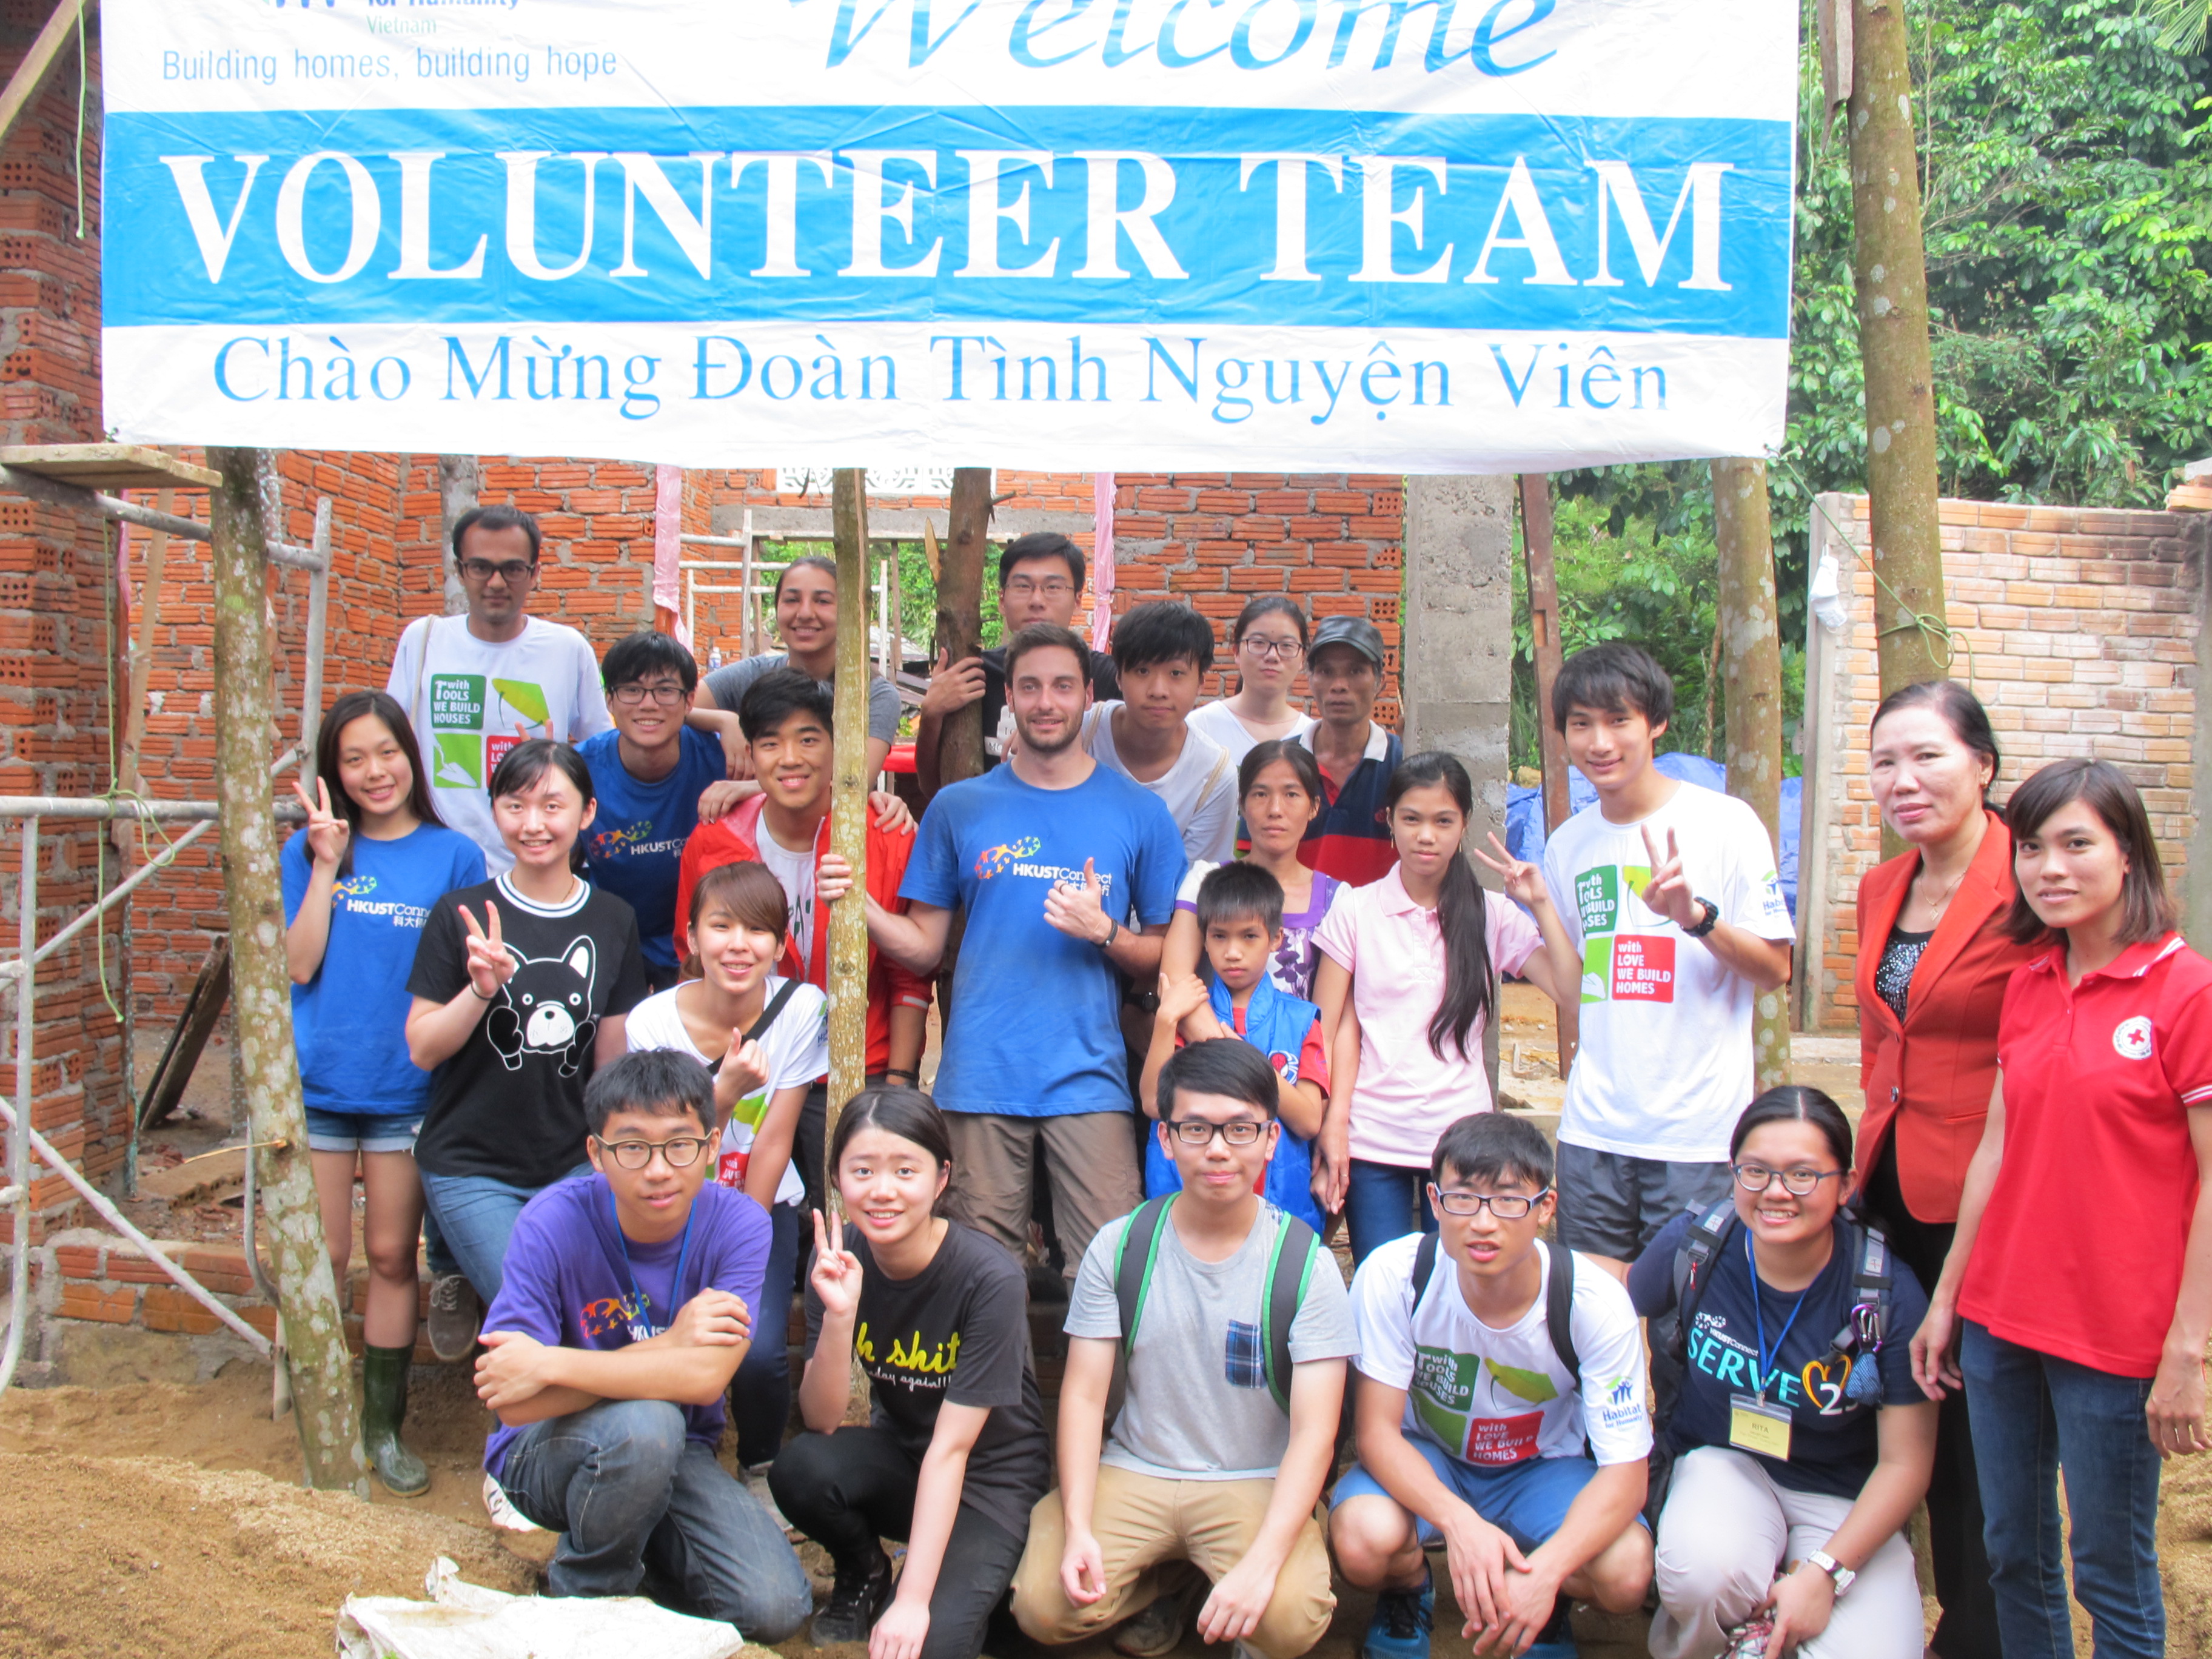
475 1217
2032 1413
1380 1203
633 1500
760 1394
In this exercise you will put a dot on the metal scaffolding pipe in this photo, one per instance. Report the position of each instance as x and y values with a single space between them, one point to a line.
66 806
14 481
19 1124
121 890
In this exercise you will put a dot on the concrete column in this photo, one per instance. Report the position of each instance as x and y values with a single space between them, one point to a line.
1457 670
2196 879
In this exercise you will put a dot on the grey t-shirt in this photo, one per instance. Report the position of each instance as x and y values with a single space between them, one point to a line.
1198 1405
729 684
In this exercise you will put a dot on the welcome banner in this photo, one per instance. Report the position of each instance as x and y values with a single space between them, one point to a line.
1427 235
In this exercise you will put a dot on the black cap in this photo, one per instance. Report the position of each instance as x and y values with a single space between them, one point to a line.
1361 634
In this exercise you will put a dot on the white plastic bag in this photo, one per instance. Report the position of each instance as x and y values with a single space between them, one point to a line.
467 1622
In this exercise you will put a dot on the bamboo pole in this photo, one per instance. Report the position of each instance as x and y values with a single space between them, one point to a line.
960 615
244 509
1891 275
1750 670
848 804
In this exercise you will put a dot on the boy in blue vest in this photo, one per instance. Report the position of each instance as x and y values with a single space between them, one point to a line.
1240 916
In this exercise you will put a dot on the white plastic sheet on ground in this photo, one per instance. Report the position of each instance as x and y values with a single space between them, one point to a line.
466 1621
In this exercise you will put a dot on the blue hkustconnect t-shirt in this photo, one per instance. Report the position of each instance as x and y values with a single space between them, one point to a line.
572 1280
1036 1029
636 841
350 1020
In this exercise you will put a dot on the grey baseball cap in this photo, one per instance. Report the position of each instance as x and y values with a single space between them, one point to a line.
1361 634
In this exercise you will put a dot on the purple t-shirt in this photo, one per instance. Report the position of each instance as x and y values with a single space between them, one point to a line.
1298 956
567 1283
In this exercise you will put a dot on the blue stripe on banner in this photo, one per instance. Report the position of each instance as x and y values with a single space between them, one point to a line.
1189 216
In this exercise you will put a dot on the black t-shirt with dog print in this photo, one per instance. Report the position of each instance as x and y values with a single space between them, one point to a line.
510 1105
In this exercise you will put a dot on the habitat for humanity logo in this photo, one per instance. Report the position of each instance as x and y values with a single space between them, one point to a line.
994 859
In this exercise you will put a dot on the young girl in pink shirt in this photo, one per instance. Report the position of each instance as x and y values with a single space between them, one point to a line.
1407 981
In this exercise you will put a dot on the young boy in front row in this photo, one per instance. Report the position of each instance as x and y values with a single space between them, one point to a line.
1240 917
1236 1327
1500 1414
626 1307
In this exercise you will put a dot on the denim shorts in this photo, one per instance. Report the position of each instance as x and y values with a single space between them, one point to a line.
361 1132
1528 1501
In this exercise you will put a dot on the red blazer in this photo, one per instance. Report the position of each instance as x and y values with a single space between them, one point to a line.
735 839
1929 1080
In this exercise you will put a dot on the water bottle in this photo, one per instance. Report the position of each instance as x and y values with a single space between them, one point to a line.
713 657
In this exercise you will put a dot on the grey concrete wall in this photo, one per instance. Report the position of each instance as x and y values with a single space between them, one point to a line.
1457 670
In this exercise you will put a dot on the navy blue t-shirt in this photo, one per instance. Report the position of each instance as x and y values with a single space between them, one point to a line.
635 841
1035 1026
1832 1438
349 1021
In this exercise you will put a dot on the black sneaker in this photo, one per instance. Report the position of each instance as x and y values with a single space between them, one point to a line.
855 1599
456 1316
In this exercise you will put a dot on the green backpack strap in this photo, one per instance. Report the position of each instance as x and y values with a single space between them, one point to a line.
1290 1268
1132 1265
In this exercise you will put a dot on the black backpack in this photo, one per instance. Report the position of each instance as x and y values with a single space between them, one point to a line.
1559 1298
1290 1266
1863 1332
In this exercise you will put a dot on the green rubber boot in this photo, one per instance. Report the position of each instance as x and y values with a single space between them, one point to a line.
383 1407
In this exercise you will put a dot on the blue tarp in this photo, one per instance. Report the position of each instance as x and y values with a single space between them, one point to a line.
1524 811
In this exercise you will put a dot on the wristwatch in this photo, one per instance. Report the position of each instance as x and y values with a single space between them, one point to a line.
1844 1576
1706 924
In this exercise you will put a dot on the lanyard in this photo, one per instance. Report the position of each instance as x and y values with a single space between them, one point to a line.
1766 1356
675 1285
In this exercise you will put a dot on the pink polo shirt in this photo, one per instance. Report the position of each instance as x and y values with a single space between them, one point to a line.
1405 1096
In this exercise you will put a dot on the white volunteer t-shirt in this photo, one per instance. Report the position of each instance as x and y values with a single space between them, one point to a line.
1218 721
1198 791
797 1046
794 874
1666 1065
472 700
1492 1398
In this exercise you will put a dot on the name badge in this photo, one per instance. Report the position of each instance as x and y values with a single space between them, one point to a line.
1756 1426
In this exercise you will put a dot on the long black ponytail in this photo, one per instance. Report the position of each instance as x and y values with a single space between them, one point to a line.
1470 995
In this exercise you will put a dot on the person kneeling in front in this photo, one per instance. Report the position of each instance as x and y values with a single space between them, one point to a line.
1235 1326
625 1308
1500 1414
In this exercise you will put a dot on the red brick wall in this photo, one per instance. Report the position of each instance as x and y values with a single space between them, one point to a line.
56 589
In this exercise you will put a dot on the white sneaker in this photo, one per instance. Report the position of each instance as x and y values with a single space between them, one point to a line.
504 1515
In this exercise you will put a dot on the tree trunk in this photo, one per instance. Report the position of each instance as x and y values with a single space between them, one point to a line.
1892 279
459 478
960 616
849 803
1751 657
1544 629
245 508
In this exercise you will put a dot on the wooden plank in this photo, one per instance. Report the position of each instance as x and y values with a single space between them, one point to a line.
38 63
2189 498
202 1009
108 467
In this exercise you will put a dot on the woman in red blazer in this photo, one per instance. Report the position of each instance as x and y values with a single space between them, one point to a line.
1933 961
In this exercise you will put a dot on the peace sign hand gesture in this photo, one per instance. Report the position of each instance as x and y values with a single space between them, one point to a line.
489 964
327 832
1524 881
1668 890
837 1275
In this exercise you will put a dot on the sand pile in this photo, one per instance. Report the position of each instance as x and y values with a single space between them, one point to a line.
150 1557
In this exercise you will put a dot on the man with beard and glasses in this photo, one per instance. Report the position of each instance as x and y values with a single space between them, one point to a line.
1058 862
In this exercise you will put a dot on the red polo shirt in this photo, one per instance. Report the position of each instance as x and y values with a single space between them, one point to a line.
2080 1249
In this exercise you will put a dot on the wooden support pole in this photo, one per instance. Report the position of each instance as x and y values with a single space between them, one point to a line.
849 803
960 615
1891 275
38 63
1544 627
245 506
1750 670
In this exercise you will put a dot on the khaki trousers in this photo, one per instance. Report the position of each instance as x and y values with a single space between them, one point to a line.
1089 1158
1141 1522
